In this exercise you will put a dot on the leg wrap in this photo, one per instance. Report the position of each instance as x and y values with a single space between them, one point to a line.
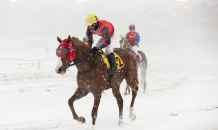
131 114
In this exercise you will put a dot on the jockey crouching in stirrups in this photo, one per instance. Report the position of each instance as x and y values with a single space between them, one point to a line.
133 39
109 38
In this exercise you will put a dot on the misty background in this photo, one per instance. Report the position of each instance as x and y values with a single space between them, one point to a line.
179 39
29 28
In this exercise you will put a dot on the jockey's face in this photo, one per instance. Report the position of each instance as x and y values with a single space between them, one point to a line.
91 27
132 30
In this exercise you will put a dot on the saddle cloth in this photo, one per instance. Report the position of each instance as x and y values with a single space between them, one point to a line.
135 56
119 61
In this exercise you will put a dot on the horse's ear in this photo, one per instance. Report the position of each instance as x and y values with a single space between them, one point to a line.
69 39
59 40
121 36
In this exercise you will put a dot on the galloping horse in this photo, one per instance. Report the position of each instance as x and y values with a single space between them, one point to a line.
92 75
142 64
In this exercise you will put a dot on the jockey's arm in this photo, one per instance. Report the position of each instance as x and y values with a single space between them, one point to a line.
90 37
127 37
137 39
107 39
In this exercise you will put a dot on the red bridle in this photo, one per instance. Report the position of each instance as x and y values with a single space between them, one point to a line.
66 50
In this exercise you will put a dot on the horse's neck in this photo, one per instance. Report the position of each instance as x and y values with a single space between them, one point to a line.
81 54
124 47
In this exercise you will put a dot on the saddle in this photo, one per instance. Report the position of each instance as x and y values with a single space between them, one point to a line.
119 61
135 55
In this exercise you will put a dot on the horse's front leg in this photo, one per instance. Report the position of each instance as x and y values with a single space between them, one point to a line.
116 92
77 95
97 98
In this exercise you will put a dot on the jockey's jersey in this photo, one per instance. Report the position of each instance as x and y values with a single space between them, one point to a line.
99 31
132 37
105 29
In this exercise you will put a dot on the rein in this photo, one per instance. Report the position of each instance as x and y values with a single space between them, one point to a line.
84 60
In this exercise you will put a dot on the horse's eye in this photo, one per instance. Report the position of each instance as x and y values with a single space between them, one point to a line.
65 51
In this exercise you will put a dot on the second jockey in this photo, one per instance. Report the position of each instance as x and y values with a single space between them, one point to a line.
108 38
133 39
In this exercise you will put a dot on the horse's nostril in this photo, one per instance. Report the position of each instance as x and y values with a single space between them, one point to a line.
59 70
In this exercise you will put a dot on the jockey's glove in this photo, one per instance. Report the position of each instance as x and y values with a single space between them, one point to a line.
132 42
96 48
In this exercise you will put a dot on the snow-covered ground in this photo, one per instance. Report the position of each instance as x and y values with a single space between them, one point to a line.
182 94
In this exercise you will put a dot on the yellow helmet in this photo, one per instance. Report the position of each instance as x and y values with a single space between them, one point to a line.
91 19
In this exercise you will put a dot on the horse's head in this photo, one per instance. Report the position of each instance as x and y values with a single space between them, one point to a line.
124 43
66 55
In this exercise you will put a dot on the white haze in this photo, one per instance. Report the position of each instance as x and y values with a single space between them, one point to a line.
181 76
35 24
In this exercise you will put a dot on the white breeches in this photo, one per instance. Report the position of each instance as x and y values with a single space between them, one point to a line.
114 40
135 49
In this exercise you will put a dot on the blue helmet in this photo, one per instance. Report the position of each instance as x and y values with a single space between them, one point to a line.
132 26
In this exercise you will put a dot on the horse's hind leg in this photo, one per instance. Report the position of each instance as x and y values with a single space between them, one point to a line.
97 98
132 81
127 90
125 93
117 95
131 114
77 95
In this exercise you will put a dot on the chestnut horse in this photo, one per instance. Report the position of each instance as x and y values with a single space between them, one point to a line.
92 75
142 64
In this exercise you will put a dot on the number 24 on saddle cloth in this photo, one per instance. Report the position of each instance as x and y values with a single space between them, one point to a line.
119 61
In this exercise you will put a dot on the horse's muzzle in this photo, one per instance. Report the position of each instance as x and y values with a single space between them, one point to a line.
59 70
62 70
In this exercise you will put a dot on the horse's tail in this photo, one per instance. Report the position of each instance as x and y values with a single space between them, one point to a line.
143 67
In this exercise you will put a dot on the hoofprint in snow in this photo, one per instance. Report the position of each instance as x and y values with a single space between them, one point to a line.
181 94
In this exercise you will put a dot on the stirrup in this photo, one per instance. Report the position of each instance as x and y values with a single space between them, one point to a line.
115 72
137 57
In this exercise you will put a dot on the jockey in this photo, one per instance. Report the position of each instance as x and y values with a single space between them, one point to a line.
133 39
85 39
108 38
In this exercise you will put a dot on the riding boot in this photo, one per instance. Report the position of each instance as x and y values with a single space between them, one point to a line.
137 58
113 64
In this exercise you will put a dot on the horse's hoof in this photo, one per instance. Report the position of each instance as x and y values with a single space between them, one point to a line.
82 120
120 123
132 116
93 128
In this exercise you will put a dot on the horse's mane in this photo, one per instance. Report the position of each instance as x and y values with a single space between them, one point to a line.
75 39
